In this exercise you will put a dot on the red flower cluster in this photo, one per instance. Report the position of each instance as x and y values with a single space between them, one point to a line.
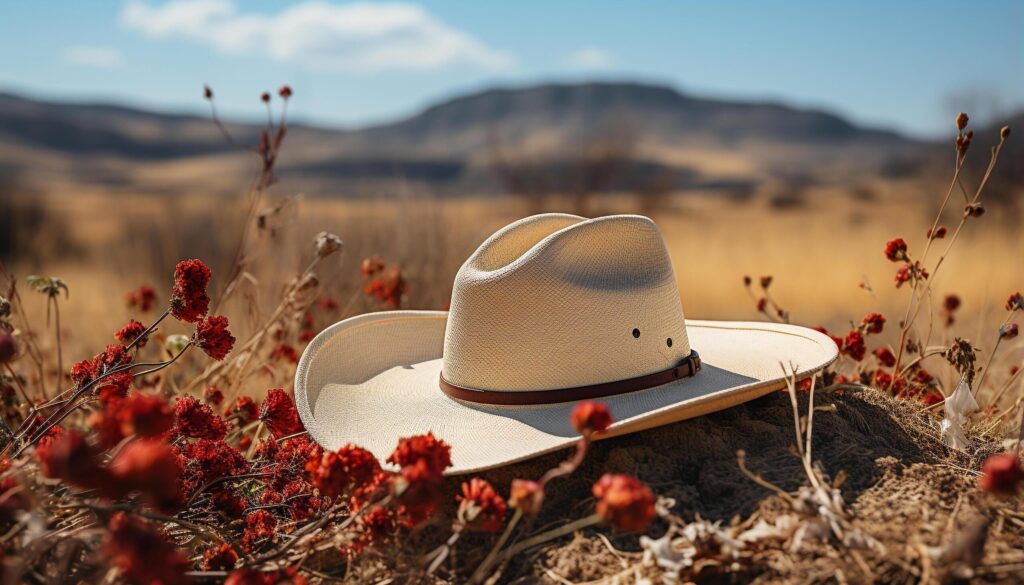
885 357
244 408
589 417
114 357
141 298
197 420
212 336
150 467
896 250
138 414
130 333
526 496
1015 302
371 266
343 472
220 558
279 414
68 456
259 526
949 306
422 459
854 346
624 502
142 554
909 273
189 301
207 460
873 323
1002 474
213 395
481 508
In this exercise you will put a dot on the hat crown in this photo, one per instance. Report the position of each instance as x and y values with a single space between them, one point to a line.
560 301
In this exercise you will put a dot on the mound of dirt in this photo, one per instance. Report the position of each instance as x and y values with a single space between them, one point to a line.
903 487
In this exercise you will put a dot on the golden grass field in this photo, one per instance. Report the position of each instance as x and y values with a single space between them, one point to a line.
818 253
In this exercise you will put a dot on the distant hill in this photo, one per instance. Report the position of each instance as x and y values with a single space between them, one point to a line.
467 144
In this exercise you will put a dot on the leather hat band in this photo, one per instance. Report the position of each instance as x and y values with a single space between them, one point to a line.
684 369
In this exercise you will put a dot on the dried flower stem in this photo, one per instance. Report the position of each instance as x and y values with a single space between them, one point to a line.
915 303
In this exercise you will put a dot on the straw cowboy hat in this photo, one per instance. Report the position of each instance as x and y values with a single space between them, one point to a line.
550 310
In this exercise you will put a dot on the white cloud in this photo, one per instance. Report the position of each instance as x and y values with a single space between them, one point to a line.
590 58
315 34
88 56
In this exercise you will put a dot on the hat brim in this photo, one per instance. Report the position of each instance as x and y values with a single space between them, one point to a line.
372 379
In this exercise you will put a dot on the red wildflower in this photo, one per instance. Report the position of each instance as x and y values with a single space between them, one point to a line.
327 304
283 351
896 250
213 337
589 417
279 414
762 304
885 357
259 526
265 97
141 298
910 272
206 460
69 457
145 415
423 459
114 357
306 335
526 496
624 502
189 301
388 287
371 266
1002 474
343 471
197 420
219 558
1009 331
1015 302
882 379
379 525
131 332
766 281
853 345
150 467
302 504
285 91
480 507
213 395
142 554
939 233
951 303
435 452
245 409
873 322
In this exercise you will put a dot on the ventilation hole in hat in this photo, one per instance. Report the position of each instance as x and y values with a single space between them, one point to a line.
669 342
636 333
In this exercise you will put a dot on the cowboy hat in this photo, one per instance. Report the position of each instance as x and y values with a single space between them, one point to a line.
550 310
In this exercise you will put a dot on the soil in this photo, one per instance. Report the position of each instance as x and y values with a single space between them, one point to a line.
903 487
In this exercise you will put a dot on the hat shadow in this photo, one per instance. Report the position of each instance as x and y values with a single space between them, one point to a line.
554 419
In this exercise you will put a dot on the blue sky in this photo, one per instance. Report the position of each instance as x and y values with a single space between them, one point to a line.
906 65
